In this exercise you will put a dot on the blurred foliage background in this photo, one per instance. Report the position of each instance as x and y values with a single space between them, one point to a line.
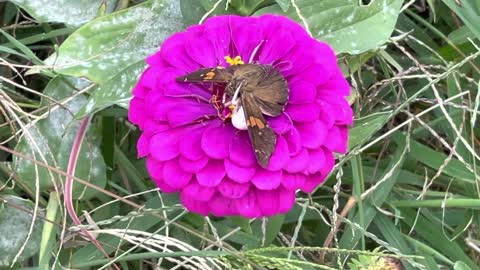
406 196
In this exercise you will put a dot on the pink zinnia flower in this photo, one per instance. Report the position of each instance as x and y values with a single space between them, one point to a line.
191 148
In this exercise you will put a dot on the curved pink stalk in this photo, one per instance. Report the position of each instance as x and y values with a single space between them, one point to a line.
72 164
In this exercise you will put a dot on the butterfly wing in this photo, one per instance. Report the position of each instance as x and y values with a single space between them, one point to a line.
216 75
261 135
271 91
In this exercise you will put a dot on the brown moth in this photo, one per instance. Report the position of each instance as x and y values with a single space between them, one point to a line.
255 90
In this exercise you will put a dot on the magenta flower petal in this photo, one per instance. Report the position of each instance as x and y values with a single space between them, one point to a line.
317 160
312 182
164 145
212 174
313 133
136 114
157 105
155 168
335 140
327 113
267 180
192 166
218 32
216 141
143 145
237 173
149 80
190 146
299 60
336 86
280 124
155 60
179 116
164 186
276 46
302 92
200 193
293 181
343 145
187 136
151 127
303 112
222 206
167 80
343 112
245 40
286 200
294 141
173 52
140 91
233 190
194 205
329 161
315 74
274 22
268 200
299 162
241 151
172 88
174 176
280 156
196 50
247 206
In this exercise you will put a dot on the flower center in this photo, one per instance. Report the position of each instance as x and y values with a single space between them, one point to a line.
235 61
226 109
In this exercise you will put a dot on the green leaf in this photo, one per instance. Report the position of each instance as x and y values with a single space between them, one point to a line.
246 7
365 127
24 49
243 223
12 51
459 265
131 170
192 11
351 63
116 91
107 46
284 4
49 230
435 159
15 221
468 11
54 137
461 35
273 228
393 236
428 251
432 233
73 13
350 238
345 24
111 50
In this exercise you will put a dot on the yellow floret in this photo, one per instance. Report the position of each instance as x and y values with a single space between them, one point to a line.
235 61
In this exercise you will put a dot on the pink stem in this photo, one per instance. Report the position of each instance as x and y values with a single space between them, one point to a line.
72 164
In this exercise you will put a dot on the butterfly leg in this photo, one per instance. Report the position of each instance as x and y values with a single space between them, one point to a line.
235 97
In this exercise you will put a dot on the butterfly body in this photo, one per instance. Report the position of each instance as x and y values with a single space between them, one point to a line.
254 90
